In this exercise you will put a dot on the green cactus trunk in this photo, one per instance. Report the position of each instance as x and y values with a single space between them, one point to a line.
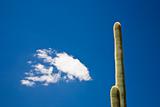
118 92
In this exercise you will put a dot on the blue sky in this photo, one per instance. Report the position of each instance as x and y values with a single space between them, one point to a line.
82 28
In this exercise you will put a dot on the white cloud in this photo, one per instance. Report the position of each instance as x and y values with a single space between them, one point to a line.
45 55
27 82
42 69
55 67
71 66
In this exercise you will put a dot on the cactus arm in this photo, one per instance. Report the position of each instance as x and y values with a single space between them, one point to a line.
119 68
114 94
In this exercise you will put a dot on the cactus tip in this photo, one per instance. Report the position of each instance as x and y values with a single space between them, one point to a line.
114 90
117 25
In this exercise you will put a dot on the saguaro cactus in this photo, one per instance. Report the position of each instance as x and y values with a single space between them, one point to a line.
118 92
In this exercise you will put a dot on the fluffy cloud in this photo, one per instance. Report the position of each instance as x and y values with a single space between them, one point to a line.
27 82
73 67
52 67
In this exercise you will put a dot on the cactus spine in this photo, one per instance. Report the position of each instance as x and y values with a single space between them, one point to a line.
118 92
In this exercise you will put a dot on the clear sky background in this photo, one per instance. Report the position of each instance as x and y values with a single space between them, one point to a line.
83 28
